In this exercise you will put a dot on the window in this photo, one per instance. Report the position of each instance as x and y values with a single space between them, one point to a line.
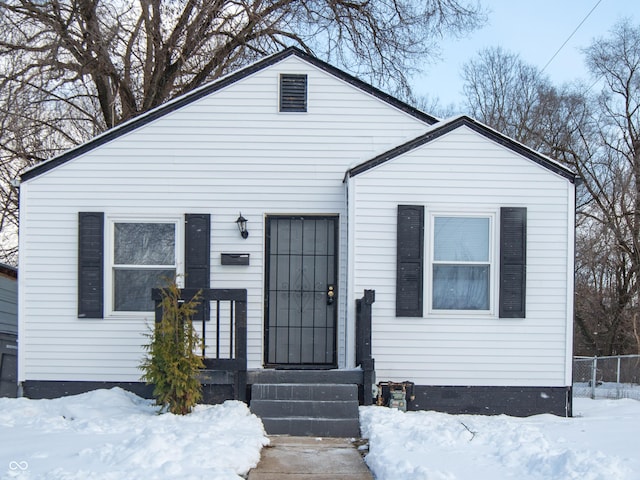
461 262
469 268
143 257
139 255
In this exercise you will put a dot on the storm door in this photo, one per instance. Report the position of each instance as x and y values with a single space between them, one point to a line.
301 291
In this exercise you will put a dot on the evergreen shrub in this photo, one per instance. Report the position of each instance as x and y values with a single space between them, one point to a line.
172 362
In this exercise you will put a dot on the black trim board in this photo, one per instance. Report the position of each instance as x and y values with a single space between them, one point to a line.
476 126
473 400
42 389
207 89
481 400
46 389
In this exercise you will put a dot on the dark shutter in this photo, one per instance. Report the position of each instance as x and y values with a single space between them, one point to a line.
513 261
197 255
293 93
90 264
410 263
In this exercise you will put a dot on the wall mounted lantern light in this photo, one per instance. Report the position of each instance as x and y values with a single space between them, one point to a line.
242 226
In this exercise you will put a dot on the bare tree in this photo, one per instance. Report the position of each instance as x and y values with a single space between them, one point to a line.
599 136
612 171
74 68
122 58
504 92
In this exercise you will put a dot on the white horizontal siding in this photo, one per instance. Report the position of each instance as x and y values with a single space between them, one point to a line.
227 153
462 172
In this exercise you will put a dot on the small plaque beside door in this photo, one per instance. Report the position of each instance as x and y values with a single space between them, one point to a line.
234 258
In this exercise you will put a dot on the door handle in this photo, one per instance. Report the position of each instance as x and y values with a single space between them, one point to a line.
331 294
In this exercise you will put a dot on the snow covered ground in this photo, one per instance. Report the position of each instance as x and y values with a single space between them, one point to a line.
599 443
114 435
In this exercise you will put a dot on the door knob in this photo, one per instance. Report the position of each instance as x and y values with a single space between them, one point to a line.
331 294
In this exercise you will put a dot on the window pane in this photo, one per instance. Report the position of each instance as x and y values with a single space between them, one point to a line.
461 287
132 288
460 239
145 244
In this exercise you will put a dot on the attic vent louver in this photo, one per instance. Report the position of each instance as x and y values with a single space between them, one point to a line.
293 93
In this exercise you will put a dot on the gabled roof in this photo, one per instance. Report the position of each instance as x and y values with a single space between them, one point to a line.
447 126
205 90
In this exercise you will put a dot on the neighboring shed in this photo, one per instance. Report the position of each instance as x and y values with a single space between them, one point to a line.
8 331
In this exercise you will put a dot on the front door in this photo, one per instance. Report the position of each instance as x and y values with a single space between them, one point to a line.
301 291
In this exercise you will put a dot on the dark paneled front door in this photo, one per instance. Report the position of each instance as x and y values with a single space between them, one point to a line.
301 291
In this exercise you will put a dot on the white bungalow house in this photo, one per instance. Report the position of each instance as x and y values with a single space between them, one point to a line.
462 237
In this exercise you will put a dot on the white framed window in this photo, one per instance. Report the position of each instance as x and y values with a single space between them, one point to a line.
462 262
143 254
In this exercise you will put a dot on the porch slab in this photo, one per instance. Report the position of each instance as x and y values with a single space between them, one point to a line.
310 458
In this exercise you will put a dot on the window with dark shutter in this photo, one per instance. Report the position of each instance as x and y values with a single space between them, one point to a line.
513 260
293 93
90 264
410 263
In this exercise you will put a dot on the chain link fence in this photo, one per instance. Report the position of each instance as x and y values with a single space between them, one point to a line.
607 377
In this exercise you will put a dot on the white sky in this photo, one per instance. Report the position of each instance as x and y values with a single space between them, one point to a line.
534 29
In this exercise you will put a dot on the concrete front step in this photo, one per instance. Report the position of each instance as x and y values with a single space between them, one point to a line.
322 410
304 391
312 427
305 408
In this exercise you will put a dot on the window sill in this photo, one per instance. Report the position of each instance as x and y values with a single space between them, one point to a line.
462 314
129 315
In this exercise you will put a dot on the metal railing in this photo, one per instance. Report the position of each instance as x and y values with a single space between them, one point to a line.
607 377
224 337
